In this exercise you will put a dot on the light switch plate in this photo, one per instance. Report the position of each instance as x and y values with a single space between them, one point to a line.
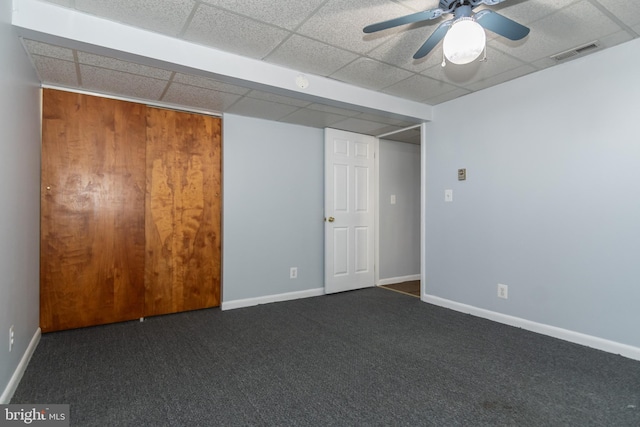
393 199
448 195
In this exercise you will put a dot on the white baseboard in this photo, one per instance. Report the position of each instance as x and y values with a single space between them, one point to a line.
392 280
249 302
564 334
7 394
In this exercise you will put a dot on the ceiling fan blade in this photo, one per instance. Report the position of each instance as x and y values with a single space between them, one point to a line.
501 25
433 39
409 19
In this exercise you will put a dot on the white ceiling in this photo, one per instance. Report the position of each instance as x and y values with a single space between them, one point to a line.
322 38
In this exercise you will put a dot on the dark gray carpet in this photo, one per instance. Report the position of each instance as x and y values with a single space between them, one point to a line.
363 358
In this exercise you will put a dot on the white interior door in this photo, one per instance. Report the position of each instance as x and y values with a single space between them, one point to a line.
349 210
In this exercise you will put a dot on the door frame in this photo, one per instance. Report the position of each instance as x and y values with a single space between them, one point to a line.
423 198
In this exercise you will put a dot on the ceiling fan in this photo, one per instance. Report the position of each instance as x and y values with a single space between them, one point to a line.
462 31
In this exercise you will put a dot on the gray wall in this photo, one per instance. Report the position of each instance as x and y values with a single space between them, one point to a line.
399 241
273 208
20 195
551 205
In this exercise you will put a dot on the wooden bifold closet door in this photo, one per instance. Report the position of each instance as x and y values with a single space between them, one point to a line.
130 211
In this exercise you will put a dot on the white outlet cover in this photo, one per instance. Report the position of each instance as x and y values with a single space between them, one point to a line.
503 291
393 199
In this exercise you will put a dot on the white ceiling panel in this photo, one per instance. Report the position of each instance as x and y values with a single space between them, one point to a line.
385 120
118 65
162 16
262 109
559 32
320 38
526 12
233 33
266 96
447 96
120 83
66 3
311 118
399 50
371 74
199 97
626 11
333 110
340 23
45 49
56 71
209 84
419 88
310 56
465 75
364 126
286 14
501 78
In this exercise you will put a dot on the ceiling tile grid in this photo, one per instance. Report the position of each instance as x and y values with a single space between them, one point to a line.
286 14
162 16
231 32
120 83
325 38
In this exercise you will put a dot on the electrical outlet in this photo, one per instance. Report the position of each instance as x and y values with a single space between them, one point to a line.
293 273
503 291
11 338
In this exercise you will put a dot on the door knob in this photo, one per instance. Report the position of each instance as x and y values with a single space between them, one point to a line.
331 219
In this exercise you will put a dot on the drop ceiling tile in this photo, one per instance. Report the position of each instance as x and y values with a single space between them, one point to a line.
120 83
209 84
525 12
162 16
118 65
310 56
383 119
192 96
501 78
286 14
340 23
44 49
364 126
65 3
371 74
56 71
230 32
462 75
411 136
448 96
311 118
626 11
400 48
261 109
419 88
568 28
333 110
266 96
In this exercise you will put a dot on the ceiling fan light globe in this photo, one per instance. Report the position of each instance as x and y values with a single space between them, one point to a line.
464 41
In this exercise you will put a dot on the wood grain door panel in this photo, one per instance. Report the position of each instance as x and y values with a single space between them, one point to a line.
92 210
183 207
